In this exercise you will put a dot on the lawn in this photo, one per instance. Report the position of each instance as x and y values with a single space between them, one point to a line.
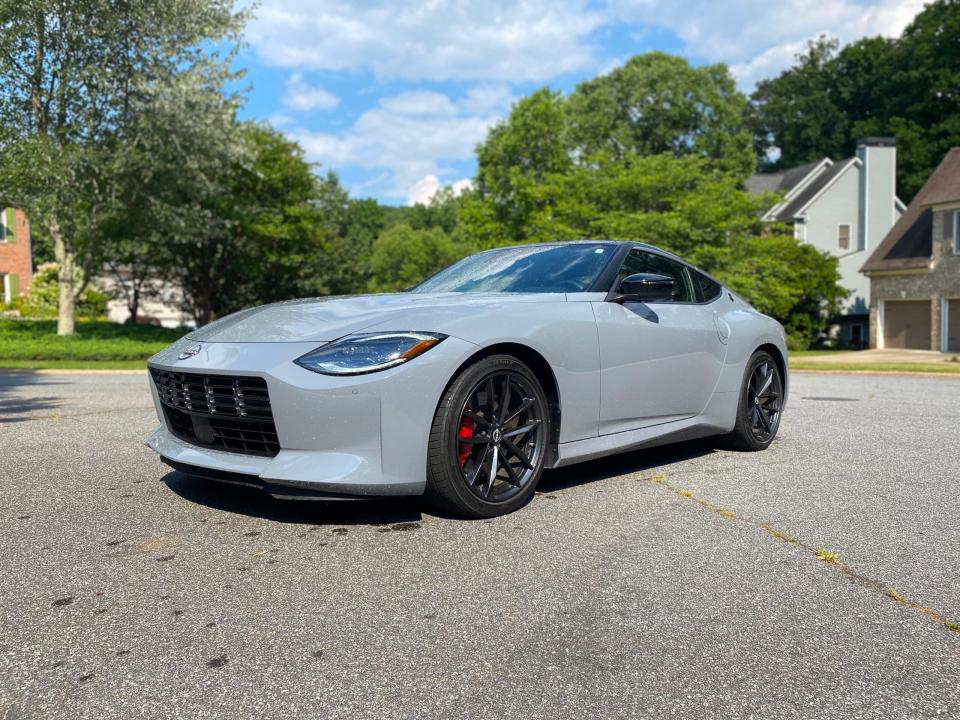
34 344
943 368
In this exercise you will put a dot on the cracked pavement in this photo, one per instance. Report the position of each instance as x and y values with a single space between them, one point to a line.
642 585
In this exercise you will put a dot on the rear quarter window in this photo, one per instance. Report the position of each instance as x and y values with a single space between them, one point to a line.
706 288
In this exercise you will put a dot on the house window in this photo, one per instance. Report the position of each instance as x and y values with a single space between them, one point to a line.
3 225
5 289
843 237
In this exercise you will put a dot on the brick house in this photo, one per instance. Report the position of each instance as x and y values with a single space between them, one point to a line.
16 265
915 271
842 207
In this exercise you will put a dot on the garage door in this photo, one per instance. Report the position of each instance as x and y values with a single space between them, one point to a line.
953 326
906 324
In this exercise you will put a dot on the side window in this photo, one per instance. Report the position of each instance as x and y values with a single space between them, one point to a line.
706 288
640 261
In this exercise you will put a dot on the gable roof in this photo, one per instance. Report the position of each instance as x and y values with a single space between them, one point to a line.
783 181
909 244
798 204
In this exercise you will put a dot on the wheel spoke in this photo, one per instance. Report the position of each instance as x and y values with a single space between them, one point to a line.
505 400
511 474
472 480
490 407
767 424
475 440
477 418
525 405
755 416
522 430
766 384
518 453
494 466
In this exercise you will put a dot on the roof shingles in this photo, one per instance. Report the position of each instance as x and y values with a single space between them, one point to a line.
909 244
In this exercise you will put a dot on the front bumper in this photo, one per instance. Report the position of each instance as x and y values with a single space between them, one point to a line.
364 435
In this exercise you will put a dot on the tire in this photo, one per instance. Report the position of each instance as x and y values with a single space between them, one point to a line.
494 411
758 414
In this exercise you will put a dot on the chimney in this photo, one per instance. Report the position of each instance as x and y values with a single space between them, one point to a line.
878 189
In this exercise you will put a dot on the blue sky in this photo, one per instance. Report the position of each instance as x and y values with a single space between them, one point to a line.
394 96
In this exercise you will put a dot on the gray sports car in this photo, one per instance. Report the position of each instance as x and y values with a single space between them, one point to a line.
468 385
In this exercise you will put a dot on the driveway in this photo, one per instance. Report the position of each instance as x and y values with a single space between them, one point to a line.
679 582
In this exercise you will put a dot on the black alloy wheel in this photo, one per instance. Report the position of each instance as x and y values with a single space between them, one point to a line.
489 439
761 402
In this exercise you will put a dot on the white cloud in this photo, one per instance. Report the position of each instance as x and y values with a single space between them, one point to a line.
300 95
426 187
760 38
413 134
429 40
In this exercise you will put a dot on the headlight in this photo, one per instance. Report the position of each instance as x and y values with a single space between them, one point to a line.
368 352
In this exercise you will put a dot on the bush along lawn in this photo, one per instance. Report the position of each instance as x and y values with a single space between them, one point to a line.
34 344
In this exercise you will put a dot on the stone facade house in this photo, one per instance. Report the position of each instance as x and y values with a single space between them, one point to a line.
842 207
915 272
16 265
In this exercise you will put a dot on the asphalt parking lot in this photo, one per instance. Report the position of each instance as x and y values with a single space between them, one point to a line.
678 582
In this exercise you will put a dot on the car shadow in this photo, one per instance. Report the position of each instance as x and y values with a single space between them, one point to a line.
556 481
16 408
252 502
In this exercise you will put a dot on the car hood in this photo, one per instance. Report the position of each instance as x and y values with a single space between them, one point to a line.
325 319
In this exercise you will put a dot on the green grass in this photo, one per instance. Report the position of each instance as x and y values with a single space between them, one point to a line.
813 353
32 344
932 368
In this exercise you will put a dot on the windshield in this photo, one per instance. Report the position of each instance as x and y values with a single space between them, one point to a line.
572 267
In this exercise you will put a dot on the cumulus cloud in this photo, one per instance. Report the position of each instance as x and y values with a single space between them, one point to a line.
467 40
415 135
300 95
759 38
426 187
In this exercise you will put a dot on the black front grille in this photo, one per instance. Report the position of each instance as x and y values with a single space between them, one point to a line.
229 413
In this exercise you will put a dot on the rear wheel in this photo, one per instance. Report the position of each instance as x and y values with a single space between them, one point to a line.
761 400
489 439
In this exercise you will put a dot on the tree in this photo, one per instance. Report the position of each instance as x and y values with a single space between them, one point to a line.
403 257
907 88
658 103
72 76
519 152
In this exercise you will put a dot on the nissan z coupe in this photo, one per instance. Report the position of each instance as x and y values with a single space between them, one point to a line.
467 386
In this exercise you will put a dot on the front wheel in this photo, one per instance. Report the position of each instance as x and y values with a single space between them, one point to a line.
488 440
761 401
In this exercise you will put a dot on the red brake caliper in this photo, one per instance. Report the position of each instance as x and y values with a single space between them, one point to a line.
466 431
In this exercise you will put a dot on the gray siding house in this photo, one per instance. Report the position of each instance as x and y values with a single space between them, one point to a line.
915 271
845 208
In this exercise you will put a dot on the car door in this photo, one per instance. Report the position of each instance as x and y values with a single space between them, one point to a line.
659 361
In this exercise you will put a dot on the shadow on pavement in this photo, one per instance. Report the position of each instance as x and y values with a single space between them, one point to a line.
623 464
14 407
256 503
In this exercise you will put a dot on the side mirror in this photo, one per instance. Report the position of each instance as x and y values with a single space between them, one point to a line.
644 287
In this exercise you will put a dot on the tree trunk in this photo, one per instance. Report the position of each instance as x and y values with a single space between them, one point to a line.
134 305
67 280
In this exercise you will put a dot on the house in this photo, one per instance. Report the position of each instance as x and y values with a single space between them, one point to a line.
915 271
845 208
16 265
